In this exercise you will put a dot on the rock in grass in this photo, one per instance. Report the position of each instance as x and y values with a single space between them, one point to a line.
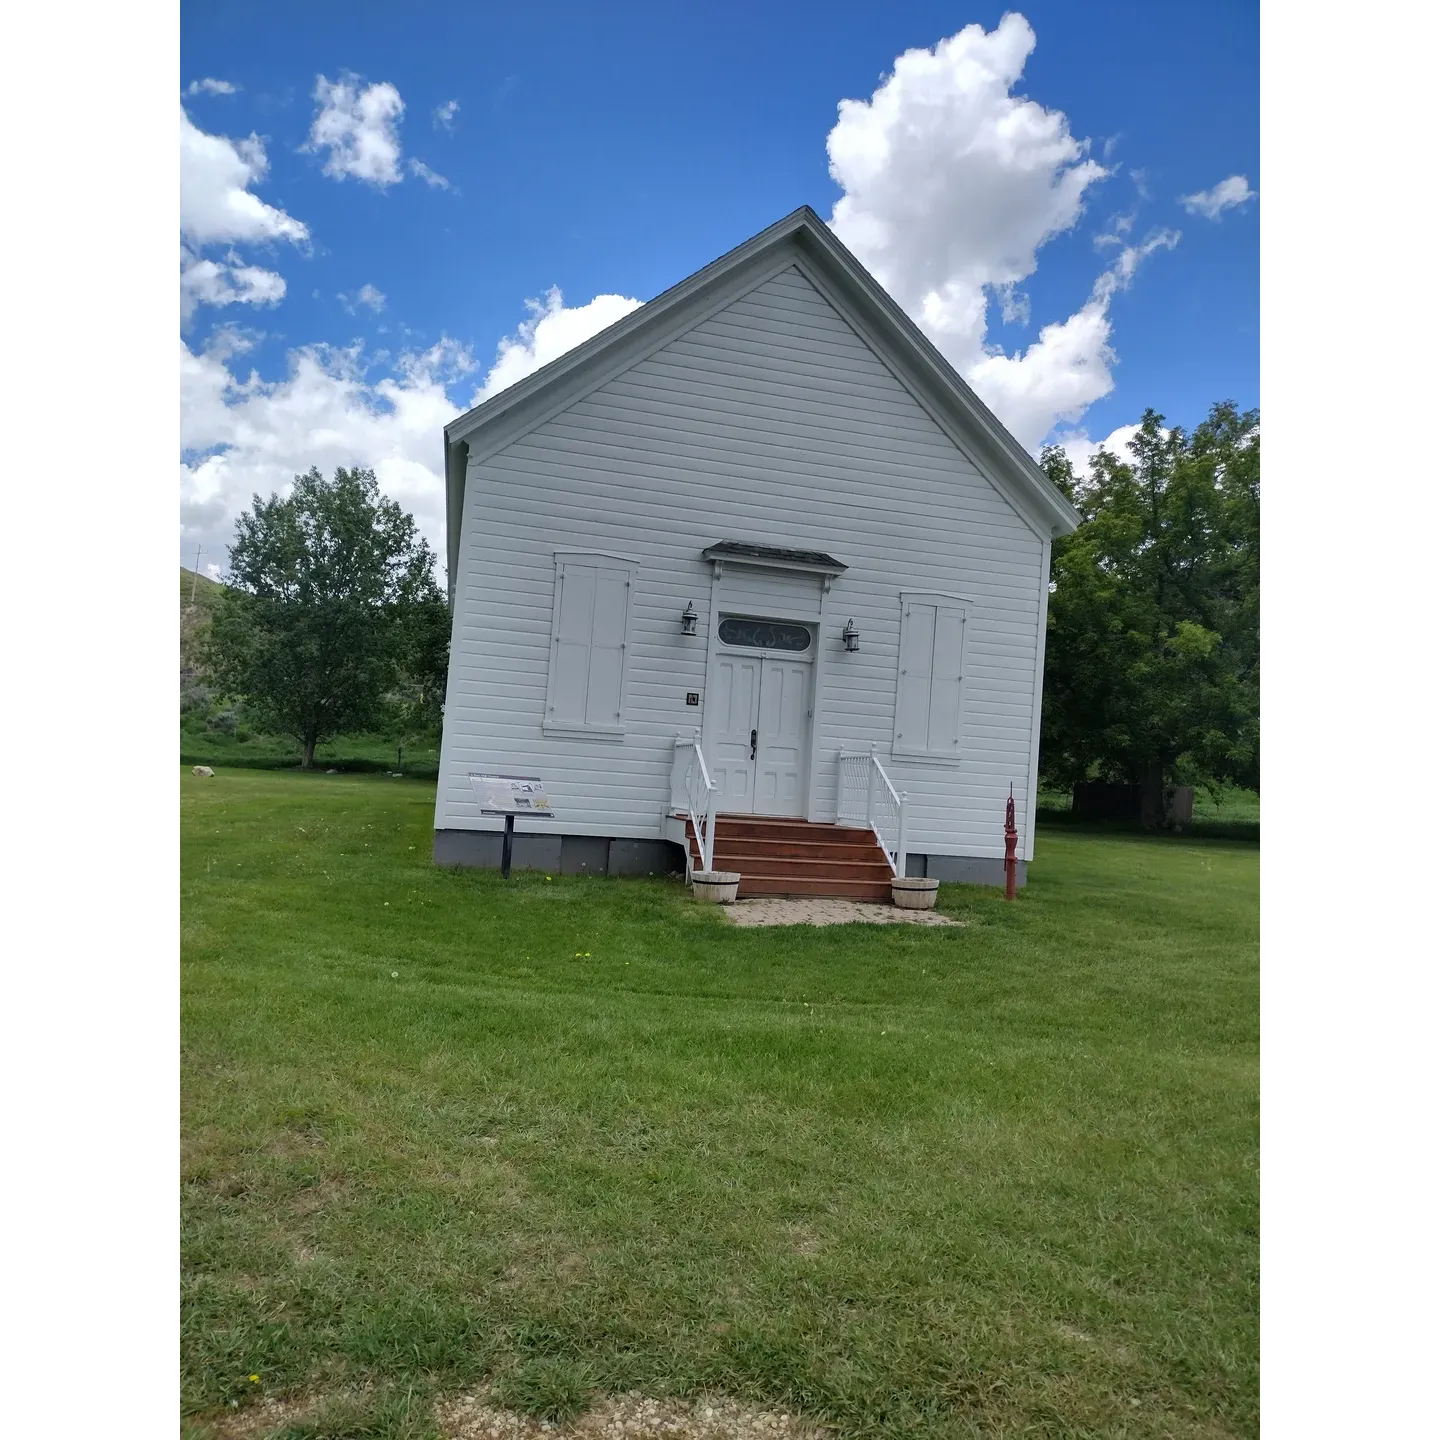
203 770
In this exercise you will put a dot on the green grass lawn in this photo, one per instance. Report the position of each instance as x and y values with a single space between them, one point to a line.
577 1134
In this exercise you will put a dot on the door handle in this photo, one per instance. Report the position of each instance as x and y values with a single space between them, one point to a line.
752 744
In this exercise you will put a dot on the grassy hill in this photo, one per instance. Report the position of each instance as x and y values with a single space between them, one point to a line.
206 591
195 617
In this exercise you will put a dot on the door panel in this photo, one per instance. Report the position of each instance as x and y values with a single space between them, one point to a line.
732 709
783 742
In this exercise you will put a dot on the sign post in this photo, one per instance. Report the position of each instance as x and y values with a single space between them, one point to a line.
511 795
505 847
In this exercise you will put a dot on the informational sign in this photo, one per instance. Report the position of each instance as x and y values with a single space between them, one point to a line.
692 697
512 795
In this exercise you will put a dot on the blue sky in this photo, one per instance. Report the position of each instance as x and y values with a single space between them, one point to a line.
610 151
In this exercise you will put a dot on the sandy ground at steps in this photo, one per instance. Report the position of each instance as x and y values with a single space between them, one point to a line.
821 911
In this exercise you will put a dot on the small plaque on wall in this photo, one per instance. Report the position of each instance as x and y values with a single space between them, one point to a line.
692 697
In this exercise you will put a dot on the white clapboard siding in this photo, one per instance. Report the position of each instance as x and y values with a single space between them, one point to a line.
772 422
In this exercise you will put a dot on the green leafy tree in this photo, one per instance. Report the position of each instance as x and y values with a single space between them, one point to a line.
322 607
1152 660
425 663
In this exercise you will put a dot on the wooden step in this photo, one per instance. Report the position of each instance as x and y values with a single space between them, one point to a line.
754 886
820 869
778 855
756 848
780 828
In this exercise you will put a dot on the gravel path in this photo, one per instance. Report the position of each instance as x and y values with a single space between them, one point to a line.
820 911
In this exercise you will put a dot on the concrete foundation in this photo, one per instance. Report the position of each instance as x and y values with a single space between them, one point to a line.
559 854
595 855
963 869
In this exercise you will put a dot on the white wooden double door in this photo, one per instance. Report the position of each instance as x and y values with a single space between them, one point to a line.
757 743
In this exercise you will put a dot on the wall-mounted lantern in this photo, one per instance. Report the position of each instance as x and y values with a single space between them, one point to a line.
688 618
851 636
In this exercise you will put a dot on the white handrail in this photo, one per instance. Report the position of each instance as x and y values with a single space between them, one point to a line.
699 794
868 798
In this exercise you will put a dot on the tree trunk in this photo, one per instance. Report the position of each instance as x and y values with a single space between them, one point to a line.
1152 796
307 758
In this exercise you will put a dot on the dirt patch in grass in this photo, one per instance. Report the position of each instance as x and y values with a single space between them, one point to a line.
479 1417
627 1417
254 1422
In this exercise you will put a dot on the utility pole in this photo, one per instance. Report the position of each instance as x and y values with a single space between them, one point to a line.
196 580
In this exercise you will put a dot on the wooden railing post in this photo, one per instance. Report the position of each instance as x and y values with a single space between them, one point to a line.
870 789
679 775
900 840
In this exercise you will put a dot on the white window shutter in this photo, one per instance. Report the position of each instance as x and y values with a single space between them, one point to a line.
590 629
945 680
607 647
571 674
929 689
912 692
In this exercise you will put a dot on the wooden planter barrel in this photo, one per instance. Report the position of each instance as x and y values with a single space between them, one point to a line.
715 887
914 892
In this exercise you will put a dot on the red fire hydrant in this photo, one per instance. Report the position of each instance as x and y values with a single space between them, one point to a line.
1011 836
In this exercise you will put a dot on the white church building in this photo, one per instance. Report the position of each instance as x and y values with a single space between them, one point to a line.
752 571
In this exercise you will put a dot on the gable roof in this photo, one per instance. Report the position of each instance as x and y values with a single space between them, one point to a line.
804 237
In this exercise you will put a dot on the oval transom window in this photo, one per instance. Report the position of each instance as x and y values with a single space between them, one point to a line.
764 634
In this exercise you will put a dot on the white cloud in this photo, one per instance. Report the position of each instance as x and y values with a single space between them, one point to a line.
1117 228
951 183
552 329
216 206
225 282
1081 449
1014 306
1068 367
242 436
207 86
1213 203
1120 274
429 176
952 186
358 127
367 294
445 115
